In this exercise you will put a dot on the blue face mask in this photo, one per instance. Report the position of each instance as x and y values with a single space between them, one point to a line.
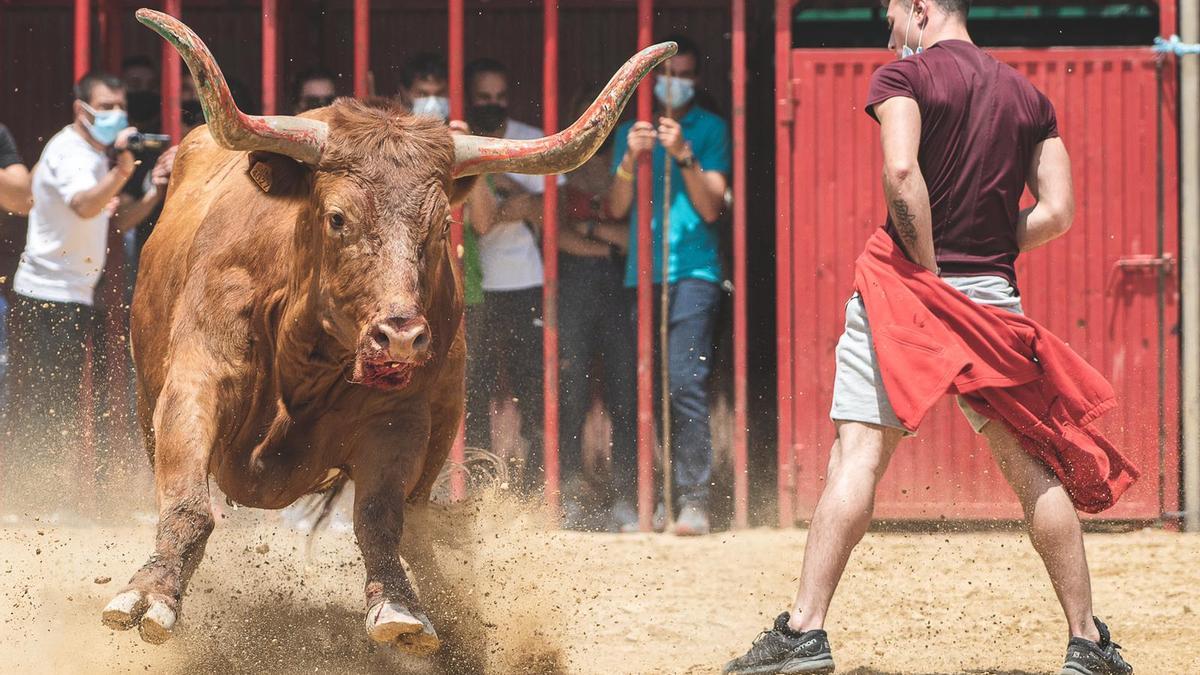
107 124
432 106
674 92
907 51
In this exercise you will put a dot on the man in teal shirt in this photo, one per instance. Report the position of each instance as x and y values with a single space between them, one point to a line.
694 144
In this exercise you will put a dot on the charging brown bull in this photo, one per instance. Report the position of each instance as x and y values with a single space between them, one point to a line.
298 316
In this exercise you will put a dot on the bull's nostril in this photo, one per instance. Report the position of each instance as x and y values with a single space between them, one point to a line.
421 340
380 338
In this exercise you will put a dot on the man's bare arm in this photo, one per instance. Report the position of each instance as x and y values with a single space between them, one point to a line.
15 195
903 184
1050 183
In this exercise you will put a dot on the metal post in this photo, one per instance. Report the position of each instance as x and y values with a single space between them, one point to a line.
87 412
1189 142
645 290
741 488
783 260
172 81
83 38
362 46
270 57
458 452
550 263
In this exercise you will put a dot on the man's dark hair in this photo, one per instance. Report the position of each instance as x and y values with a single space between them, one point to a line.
962 7
686 46
480 66
89 82
316 73
422 67
137 61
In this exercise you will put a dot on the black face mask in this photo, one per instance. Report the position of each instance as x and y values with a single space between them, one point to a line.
143 108
193 114
314 102
487 119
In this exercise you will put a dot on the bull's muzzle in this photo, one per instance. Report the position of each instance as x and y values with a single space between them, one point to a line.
397 340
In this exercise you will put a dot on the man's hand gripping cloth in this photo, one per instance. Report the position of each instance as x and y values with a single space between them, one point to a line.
932 340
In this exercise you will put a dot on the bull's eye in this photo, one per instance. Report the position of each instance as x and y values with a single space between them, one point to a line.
336 221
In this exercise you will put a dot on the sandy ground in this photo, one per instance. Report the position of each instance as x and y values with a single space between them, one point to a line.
265 601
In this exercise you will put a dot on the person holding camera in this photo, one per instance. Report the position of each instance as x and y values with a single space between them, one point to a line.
76 186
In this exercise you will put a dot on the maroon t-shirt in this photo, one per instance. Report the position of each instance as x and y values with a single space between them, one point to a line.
980 123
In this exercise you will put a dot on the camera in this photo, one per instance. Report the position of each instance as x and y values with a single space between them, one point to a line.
141 144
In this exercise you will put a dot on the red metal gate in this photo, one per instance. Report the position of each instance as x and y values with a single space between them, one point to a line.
1107 287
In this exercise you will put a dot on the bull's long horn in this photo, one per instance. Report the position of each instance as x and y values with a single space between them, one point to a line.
298 138
570 147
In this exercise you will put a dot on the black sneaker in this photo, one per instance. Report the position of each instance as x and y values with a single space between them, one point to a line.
1085 657
782 650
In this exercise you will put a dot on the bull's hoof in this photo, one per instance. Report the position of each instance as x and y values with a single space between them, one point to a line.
154 618
409 630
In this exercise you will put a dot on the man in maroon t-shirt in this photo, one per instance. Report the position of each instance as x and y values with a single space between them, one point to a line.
963 135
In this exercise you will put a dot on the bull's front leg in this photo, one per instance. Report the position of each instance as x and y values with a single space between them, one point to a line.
184 431
385 468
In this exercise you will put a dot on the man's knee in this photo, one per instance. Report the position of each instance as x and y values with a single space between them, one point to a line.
862 450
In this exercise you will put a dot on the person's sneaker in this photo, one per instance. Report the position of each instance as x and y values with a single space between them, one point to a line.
623 517
1085 657
782 650
693 520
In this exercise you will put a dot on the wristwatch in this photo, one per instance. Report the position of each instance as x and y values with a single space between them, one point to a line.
687 162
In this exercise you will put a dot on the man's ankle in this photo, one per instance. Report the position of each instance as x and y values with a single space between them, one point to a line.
1087 631
799 623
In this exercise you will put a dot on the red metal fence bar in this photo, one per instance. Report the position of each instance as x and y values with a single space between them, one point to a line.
362 46
83 38
270 57
82 63
458 453
550 261
645 289
741 495
783 259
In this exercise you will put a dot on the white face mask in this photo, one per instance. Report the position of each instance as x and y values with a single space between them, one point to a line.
432 106
907 51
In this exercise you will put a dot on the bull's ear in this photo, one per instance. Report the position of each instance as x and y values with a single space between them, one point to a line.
275 174
460 188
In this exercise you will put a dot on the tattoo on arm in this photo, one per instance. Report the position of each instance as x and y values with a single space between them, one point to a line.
905 221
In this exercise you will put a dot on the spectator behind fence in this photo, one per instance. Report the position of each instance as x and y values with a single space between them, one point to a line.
15 199
696 142
505 210
76 184
593 324
423 86
141 80
315 88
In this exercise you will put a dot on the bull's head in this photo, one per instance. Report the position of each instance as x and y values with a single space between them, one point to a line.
379 186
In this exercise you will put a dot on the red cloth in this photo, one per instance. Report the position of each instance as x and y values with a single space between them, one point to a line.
932 340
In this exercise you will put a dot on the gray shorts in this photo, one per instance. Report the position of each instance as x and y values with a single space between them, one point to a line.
858 393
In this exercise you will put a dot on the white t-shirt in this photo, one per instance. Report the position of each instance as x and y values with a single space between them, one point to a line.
509 253
64 254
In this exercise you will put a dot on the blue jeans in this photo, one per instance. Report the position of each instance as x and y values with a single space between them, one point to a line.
692 315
